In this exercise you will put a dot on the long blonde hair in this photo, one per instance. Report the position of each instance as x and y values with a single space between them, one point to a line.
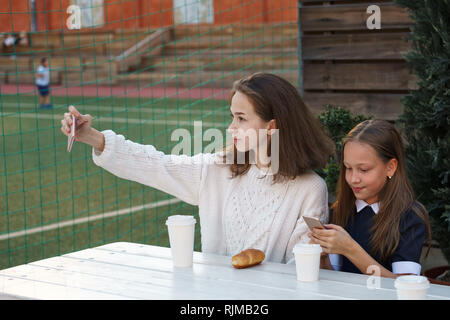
395 197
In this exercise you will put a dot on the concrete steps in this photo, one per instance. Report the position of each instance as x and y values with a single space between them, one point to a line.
188 56
215 56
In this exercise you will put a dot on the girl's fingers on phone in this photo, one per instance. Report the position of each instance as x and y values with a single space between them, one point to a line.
313 238
323 232
68 118
64 131
322 243
79 118
66 122
63 121
74 111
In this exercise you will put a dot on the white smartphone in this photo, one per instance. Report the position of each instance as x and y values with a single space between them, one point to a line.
313 223
71 136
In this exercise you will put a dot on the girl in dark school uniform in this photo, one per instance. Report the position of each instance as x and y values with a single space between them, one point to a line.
376 223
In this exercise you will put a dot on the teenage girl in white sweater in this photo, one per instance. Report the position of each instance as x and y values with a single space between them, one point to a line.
247 196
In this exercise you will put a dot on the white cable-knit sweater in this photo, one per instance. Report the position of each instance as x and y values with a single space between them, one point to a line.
235 214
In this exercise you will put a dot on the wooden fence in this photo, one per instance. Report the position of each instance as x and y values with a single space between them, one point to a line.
347 64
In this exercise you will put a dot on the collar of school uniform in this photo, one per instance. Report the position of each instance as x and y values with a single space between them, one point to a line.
361 204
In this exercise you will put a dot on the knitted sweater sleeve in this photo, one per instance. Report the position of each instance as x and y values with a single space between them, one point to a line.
179 176
314 203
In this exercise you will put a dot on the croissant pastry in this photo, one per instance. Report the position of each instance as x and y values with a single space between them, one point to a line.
247 258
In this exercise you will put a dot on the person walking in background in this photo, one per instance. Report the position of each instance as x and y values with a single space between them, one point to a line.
43 84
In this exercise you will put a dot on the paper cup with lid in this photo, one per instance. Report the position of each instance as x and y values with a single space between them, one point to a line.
412 287
307 261
181 236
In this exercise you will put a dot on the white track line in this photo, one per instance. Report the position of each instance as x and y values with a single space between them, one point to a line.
113 213
120 109
96 217
58 118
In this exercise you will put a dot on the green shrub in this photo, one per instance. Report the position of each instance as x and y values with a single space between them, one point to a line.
426 114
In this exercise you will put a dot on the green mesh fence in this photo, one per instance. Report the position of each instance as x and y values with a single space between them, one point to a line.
140 68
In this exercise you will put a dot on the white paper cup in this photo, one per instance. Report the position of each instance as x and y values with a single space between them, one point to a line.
307 261
181 236
412 287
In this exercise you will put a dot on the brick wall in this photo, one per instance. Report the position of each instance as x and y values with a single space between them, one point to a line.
130 14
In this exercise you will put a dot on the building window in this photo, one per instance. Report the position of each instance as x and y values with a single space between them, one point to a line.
193 11
92 12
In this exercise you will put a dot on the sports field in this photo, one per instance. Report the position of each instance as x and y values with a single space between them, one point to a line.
53 202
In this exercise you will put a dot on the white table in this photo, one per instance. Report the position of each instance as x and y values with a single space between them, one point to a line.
125 270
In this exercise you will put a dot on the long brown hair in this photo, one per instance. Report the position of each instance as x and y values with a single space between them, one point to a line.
395 197
303 144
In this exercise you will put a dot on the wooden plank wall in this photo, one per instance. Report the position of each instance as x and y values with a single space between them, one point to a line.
347 64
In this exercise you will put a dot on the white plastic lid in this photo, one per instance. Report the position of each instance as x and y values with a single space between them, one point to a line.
412 282
306 248
180 220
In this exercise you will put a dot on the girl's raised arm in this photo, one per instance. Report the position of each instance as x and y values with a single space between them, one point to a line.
178 175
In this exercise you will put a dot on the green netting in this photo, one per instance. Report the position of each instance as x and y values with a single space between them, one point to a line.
140 68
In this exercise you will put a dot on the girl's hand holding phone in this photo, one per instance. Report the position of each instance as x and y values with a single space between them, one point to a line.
83 124
333 239
84 132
